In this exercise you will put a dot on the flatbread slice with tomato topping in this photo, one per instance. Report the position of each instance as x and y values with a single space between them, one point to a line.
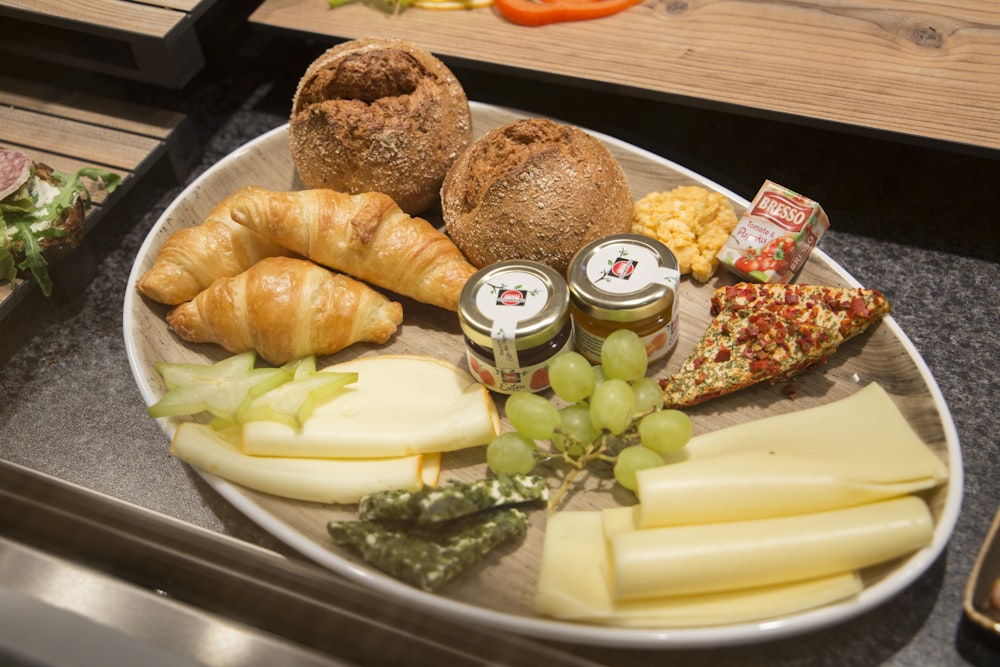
770 332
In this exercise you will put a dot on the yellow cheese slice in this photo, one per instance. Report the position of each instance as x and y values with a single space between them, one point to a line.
401 405
573 584
323 481
856 450
683 560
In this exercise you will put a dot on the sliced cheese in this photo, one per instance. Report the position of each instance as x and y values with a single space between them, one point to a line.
574 584
401 405
852 451
683 560
323 481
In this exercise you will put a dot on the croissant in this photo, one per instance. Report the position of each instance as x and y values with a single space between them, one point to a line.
366 235
191 258
286 308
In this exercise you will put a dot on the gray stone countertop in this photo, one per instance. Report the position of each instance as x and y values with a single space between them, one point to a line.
919 223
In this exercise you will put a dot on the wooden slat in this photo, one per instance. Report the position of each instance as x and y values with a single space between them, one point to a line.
102 16
107 146
155 42
921 70
125 116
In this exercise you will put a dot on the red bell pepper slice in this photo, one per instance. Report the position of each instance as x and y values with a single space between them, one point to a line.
532 13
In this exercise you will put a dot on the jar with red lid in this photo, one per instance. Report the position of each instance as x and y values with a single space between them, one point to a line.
515 318
624 281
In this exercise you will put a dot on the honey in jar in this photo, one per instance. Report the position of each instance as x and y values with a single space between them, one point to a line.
624 281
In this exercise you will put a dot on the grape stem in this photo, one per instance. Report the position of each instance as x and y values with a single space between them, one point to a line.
596 450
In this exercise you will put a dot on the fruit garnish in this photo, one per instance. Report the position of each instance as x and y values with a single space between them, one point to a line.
294 401
614 414
219 388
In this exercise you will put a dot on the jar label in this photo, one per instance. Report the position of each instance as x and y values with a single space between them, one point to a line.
623 268
516 296
658 343
509 380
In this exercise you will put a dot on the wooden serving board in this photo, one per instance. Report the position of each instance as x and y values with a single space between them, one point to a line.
914 69
501 589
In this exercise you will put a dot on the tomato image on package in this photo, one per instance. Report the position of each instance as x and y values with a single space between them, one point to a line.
774 237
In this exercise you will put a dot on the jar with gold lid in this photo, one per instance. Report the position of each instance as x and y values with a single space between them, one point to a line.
624 281
515 318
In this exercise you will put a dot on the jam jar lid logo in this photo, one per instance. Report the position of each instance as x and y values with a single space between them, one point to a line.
783 211
512 297
623 268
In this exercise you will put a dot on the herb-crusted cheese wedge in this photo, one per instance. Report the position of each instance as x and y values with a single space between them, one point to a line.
429 557
770 332
435 504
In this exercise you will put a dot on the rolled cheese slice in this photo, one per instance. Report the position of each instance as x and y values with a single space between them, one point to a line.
574 584
685 560
401 405
848 452
322 481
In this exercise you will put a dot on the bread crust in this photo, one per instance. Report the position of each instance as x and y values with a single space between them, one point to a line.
379 115
534 189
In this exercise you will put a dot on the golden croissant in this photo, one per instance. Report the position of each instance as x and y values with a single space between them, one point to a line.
286 308
193 257
366 235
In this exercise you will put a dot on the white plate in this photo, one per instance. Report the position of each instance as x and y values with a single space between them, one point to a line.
499 592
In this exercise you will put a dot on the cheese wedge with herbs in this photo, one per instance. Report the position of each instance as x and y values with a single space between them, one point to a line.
575 584
401 405
770 332
315 480
855 450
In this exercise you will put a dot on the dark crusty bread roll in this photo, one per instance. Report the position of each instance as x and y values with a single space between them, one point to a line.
379 115
534 189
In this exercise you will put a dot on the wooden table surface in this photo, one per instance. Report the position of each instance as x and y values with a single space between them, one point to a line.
925 71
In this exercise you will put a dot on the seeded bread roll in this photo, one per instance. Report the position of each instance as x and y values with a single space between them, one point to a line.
534 189
379 115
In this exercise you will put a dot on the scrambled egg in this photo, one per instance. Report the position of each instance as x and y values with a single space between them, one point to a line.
690 220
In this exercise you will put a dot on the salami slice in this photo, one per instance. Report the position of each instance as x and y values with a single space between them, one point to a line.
15 169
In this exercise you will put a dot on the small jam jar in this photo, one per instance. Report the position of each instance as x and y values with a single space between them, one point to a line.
515 317
624 281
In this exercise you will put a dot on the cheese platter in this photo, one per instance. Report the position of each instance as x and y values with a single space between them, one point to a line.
500 591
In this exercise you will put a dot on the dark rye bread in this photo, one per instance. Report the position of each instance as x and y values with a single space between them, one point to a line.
379 115
534 189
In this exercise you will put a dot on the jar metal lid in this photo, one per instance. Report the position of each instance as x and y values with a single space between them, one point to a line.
528 300
623 278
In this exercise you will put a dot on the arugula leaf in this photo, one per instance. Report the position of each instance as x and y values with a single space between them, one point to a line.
33 259
19 210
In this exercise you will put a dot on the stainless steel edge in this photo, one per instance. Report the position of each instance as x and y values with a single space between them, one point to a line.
148 584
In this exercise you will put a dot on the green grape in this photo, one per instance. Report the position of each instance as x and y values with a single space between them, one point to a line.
531 415
648 395
623 356
612 406
665 431
577 426
511 453
570 377
630 461
599 375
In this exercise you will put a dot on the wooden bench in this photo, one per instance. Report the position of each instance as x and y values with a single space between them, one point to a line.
69 130
154 43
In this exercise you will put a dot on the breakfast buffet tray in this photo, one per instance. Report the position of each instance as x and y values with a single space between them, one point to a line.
499 592
69 130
